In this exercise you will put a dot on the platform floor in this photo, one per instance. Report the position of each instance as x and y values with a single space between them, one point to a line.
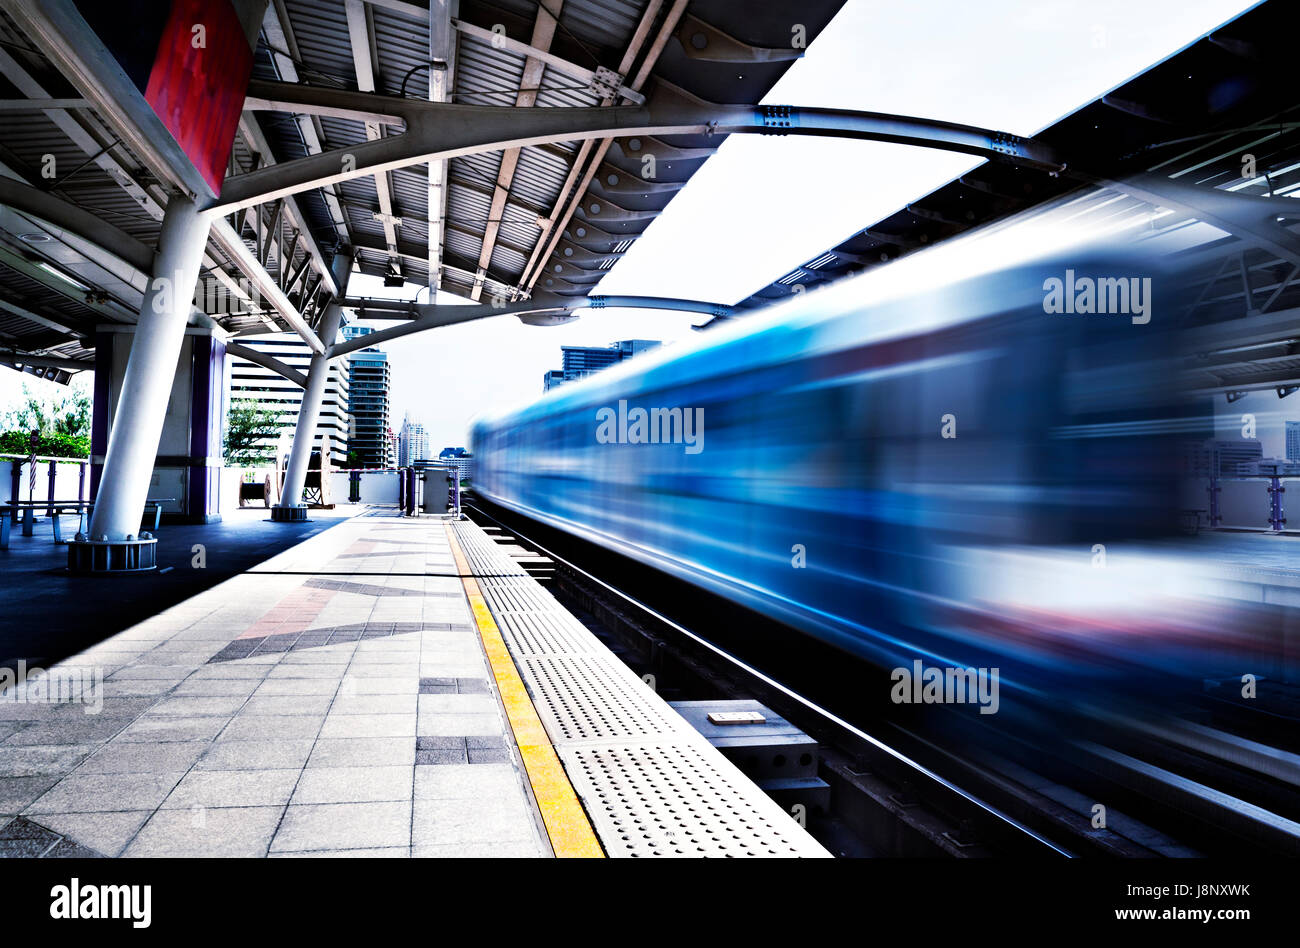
387 687
49 615
333 700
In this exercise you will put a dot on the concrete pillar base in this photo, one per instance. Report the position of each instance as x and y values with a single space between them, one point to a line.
285 514
113 556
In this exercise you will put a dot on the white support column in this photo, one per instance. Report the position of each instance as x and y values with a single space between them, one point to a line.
290 507
147 384
442 64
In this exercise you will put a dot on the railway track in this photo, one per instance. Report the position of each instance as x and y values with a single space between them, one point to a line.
935 814
899 791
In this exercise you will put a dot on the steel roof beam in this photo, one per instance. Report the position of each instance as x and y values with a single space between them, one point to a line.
450 262
434 316
232 245
548 17
63 324
279 35
359 32
592 153
1251 218
445 130
442 66
59 30
266 361
65 216
599 81
256 141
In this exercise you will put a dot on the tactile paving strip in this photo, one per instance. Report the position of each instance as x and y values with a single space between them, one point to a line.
541 633
588 697
674 800
651 784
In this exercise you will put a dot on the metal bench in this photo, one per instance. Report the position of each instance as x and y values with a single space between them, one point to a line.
9 515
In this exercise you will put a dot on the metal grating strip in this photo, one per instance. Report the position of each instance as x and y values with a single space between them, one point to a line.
530 634
651 784
591 697
674 800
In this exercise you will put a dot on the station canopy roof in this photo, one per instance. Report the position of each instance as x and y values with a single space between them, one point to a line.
554 218
548 218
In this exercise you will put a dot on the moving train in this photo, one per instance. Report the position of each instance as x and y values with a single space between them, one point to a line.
852 461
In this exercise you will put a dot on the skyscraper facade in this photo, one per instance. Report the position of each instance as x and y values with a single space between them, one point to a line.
581 361
370 383
272 391
414 443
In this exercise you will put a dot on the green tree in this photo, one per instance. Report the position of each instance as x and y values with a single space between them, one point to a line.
247 424
69 415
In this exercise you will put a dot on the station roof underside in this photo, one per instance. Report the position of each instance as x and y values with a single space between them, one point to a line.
552 219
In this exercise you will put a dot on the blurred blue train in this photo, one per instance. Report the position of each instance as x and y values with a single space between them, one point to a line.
856 443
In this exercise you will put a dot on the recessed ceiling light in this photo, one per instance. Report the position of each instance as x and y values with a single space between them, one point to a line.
54 271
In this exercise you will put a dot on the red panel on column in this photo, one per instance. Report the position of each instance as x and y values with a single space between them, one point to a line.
198 92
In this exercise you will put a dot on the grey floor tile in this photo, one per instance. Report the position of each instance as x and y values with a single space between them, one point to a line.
97 793
89 730
266 727
36 759
106 833
468 782
289 704
515 849
353 784
216 687
242 668
255 755
363 752
296 686
143 757
457 704
238 832
344 826
198 705
387 852
445 822
232 788
139 687
369 725
391 685
374 704
16 793
163 728
435 724
328 672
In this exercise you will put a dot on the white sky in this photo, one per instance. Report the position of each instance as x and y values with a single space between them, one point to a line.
763 205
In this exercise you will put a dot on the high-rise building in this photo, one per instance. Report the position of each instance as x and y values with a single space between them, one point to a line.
1293 440
370 381
414 444
249 381
581 361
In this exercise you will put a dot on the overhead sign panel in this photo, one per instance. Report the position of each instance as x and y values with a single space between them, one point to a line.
191 60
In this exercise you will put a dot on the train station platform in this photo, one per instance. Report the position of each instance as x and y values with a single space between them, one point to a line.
386 687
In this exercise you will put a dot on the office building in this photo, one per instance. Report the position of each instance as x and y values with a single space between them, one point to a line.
581 361
249 381
413 444
370 384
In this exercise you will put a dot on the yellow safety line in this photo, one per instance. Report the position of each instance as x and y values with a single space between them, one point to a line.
566 822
